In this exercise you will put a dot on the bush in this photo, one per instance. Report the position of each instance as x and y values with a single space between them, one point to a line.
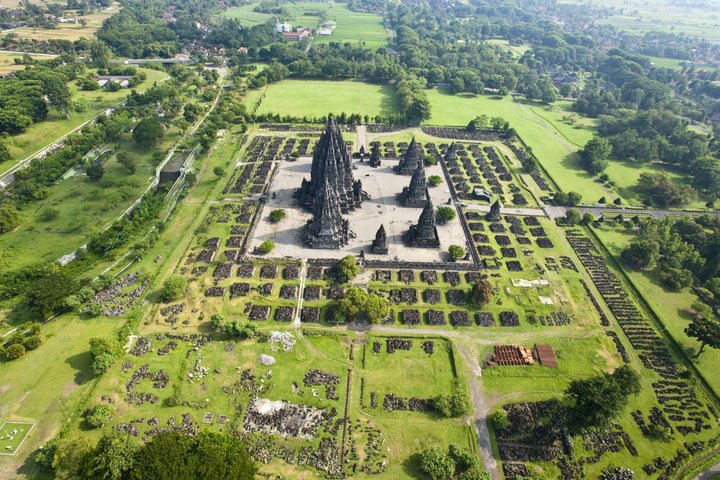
9 218
44 455
219 171
437 464
346 269
266 247
49 214
98 416
456 252
277 215
15 351
434 180
101 363
499 419
174 288
430 160
444 214
481 293
95 171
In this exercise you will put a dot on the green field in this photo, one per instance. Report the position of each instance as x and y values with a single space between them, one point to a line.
7 61
354 27
315 98
246 16
673 308
640 16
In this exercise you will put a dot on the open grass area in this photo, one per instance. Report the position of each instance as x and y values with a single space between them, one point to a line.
517 51
640 16
246 15
355 27
43 134
673 308
7 61
69 31
315 98
12 436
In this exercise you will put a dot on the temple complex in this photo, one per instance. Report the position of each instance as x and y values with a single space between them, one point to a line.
331 163
424 234
410 160
415 195
380 245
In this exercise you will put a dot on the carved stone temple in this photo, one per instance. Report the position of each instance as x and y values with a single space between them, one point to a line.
380 245
424 234
415 195
410 160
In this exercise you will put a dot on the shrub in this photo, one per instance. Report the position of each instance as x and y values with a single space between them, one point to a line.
277 215
434 180
15 351
444 214
499 419
266 247
456 252
174 288
98 416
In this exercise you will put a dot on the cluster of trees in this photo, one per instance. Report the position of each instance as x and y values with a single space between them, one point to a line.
20 343
439 464
356 301
232 328
678 249
104 352
167 456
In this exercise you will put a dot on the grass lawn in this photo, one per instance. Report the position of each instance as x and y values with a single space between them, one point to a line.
315 98
246 16
555 152
42 134
354 27
7 61
671 307
12 436
517 51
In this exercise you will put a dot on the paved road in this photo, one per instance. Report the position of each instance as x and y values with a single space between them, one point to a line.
362 137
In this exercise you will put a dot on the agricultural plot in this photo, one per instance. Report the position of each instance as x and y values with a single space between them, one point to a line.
69 31
13 435
355 27
7 61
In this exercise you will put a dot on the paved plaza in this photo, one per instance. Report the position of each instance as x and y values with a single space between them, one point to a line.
383 185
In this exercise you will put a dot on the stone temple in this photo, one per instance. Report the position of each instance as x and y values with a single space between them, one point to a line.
331 163
412 158
415 195
380 245
330 192
424 234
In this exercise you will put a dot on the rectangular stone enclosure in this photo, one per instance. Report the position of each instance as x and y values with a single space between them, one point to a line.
383 185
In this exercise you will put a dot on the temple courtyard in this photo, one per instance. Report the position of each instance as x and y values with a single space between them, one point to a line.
383 185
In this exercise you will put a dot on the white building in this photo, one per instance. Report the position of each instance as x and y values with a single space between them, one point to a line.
283 27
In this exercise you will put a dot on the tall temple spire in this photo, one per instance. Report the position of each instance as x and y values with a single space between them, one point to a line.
415 195
410 160
424 234
380 245
328 229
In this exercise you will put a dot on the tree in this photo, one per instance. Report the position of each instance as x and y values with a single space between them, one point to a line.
47 294
456 252
95 171
705 330
174 288
44 455
657 189
499 419
376 308
434 180
594 155
675 278
463 459
72 459
444 214
14 351
114 456
219 172
277 215
453 405
98 415
266 247
641 253
572 216
346 269
4 152
148 132
9 218
430 160
100 54
598 400
210 456
573 199
481 293
437 464
127 161
104 352
102 363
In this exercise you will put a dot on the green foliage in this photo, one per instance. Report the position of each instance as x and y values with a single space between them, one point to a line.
114 456
102 363
47 294
435 463
277 215
219 171
499 418
72 459
706 330
49 214
210 456
9 218
595 154
232 328
572 216
453 405
103 351
456 252
658 190
174 288
43 456
429 161
14 351
266 247
4 152
98 415
481 293
346 269
356 300
95 171
148 132
596 401
445 214
128 161
434 180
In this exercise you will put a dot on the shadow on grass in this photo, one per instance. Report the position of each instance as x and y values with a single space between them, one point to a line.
81 364
411 466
